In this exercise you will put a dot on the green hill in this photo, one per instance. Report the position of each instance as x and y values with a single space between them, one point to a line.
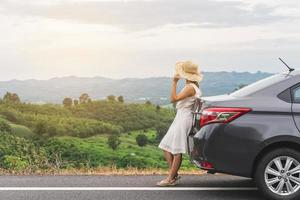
77 137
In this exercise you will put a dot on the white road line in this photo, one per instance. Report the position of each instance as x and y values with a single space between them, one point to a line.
127 188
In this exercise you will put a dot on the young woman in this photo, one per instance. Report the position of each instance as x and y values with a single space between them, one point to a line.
174 143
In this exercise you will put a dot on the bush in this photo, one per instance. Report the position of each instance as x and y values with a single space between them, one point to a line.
132 160
49 126
113 141
141 140
14 163
130 116
11 115
19 154
22 131
5 126
64 152
87 119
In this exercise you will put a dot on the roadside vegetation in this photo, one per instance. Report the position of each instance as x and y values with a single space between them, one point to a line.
82 135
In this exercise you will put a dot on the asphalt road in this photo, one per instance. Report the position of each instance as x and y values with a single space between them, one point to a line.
212 187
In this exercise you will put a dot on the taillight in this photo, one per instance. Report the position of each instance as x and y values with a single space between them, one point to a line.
204 165
221 115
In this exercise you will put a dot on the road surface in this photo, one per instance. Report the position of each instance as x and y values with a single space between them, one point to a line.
190 187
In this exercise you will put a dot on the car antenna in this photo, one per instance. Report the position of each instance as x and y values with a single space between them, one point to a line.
290 69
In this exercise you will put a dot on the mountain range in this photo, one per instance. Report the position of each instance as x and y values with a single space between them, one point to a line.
155 89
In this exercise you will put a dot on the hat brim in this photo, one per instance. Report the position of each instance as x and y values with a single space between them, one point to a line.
189 76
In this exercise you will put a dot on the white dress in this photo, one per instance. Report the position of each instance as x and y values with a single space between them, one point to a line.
175 140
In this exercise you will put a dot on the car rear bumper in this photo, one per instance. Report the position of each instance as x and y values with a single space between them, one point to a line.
222 148
196 147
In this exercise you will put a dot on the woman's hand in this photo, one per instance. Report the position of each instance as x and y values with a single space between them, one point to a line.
186 92
176 78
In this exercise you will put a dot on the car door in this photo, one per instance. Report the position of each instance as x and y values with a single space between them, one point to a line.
295 98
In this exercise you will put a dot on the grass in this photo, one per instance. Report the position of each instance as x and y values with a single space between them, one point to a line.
127 155
101 171
93 155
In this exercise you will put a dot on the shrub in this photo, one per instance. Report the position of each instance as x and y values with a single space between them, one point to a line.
113 141
19 154
14 163
49 126
132 160
130 116
141 140
22 131
11 115
5 126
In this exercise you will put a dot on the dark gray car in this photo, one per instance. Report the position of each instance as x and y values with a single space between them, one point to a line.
253 132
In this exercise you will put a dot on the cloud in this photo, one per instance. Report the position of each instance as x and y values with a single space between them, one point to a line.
131 38
141 15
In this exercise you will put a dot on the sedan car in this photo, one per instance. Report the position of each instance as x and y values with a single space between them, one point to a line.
253 132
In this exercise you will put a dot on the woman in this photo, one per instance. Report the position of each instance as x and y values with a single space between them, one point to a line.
174 143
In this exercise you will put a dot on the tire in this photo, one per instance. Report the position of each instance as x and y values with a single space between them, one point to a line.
290 190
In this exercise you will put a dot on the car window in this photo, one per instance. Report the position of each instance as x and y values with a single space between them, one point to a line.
254 87
296 94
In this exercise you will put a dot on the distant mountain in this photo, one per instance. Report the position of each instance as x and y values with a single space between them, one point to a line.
133 89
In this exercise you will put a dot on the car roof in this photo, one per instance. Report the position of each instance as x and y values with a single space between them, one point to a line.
270 86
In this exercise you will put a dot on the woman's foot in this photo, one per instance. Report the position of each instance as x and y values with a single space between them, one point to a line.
167 182
177 177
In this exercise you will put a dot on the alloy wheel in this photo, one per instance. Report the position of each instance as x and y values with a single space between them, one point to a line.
282 175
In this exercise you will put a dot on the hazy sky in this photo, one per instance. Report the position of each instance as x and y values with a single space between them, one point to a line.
135 38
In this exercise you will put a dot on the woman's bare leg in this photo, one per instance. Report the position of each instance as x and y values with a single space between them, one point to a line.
175 166
169 158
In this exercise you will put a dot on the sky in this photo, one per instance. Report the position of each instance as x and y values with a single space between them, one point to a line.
42 39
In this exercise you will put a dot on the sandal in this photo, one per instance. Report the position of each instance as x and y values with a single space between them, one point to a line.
177 177
166 182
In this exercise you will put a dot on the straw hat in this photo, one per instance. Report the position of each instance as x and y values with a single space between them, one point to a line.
188 70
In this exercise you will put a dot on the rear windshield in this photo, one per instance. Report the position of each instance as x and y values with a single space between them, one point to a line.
254 87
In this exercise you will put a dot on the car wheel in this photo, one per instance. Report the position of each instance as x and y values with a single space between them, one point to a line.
277 174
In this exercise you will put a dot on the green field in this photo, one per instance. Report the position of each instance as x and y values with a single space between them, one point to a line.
95 152
43 137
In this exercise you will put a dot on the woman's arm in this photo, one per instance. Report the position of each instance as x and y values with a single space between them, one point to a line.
186 92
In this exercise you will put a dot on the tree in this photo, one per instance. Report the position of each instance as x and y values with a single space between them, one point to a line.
84 98
141 140
15 98
113 141
148 102
11 97
7 97
121 99
157 108
67 102
76 102
111 98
